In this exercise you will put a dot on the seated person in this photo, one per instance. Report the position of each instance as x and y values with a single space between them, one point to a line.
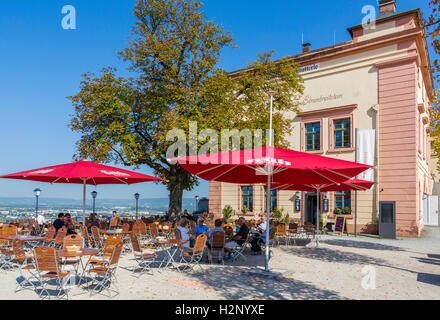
239 239
258 240
69 224
263 225
218 227
184 231
201 228
58 223
93 222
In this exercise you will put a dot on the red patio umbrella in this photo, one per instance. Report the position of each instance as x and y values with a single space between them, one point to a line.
82 172
271 165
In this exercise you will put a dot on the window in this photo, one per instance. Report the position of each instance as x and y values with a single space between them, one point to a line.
273 199
342 133
313 136
247 199
343 202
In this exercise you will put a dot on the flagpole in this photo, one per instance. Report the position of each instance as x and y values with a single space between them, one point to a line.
268 191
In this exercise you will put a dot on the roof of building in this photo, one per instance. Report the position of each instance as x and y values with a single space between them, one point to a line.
389 16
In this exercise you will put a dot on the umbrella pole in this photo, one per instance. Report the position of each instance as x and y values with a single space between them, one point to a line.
318 200
267 222
84 202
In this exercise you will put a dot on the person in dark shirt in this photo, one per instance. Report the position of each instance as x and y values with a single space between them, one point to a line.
93 222
239 239
58 223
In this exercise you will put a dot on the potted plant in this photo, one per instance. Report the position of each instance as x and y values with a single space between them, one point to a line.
228 213
245 210
339 210
286 220
278 214
347 210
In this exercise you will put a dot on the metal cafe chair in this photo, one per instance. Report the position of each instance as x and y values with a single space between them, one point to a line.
49 273
104 276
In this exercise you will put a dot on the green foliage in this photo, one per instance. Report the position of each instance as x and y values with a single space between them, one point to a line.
228 213
339 211
245 209
286 219
347 210
432 25
173 54
278 214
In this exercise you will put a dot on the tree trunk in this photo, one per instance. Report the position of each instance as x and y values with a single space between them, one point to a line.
176 195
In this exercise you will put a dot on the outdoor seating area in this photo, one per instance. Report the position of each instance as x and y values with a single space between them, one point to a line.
51 263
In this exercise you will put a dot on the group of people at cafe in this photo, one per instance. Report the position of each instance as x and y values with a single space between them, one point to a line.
257 237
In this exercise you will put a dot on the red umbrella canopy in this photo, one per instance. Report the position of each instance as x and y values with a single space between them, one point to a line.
349 185
285 166
83 171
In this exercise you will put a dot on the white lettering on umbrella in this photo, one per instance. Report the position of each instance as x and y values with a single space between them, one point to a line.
41 171
269 161
115 173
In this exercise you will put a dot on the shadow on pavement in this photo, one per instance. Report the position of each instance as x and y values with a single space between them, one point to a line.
232 283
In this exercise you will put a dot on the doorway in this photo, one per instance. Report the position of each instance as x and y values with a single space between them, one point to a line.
310 208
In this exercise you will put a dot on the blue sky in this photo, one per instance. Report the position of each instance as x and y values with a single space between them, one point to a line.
41 65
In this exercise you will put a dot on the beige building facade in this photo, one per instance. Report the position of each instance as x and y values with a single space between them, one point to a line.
379 81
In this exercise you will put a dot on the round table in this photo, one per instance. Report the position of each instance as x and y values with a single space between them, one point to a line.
85 252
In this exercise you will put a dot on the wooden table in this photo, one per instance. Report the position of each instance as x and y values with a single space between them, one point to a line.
86 252
169 244
23 238
115 233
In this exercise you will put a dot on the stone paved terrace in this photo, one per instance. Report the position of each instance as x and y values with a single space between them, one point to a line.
405 269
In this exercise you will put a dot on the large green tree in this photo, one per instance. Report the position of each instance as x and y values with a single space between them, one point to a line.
432 24
173 55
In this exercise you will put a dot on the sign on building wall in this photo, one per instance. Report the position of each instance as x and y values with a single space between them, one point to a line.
366 152
309 68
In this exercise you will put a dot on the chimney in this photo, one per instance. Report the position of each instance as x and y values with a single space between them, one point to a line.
387 6
306 47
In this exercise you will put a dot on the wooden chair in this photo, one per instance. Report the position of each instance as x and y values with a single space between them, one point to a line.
104 276
292 231
103 225
114 223
59 238
70 241
109 244
309 229
24 261
229 230
96 236
218 245
192 258
49 272
6 252
281 234
143 258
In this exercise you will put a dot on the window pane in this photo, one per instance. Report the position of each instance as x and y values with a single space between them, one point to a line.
313 136
342 133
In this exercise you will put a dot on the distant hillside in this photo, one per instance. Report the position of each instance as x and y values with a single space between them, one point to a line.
154 203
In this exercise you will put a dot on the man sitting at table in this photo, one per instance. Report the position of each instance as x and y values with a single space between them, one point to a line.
201 228
58 223
263 225
218 227
239 239
41 220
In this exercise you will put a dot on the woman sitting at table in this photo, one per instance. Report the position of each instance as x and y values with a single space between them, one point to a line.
69 224
93 222
184 231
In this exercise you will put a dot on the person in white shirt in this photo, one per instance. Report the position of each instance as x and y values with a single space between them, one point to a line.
184 231
41 220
